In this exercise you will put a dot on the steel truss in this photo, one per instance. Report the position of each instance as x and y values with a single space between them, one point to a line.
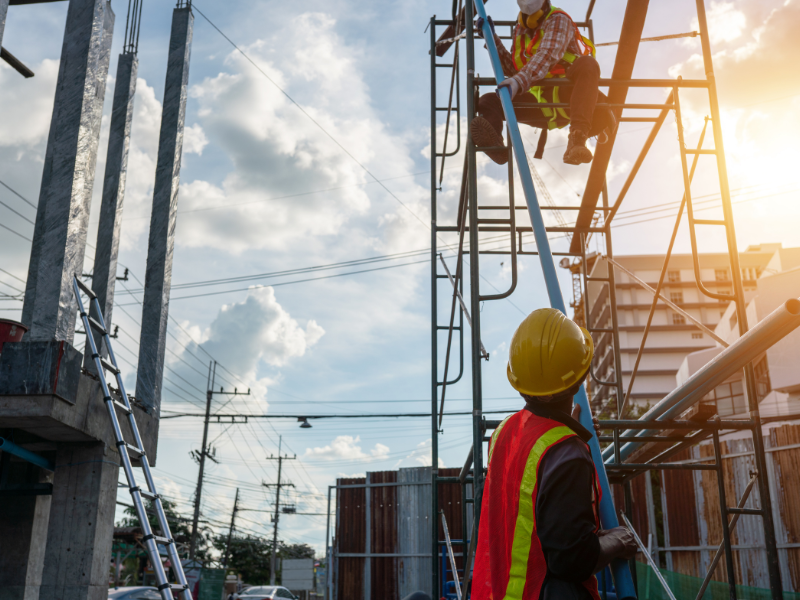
606 372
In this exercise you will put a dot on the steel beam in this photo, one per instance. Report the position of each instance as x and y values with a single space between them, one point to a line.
105 261
59 237
158 277
629 38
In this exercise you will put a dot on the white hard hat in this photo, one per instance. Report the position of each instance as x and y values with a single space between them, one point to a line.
530 7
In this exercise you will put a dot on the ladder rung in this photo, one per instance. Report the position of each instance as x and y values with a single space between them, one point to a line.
601 279
709 222
178 587
108 366
163 540
688 151
494 221
96 325
85 289
119 405
131 448
148 494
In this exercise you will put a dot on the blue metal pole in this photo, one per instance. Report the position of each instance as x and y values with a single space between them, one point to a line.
608 516
31 457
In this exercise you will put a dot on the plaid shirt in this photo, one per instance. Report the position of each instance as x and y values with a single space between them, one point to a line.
558 38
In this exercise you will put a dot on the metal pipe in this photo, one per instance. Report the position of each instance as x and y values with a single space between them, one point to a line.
649 558
31 457
608 516
781 322
434 315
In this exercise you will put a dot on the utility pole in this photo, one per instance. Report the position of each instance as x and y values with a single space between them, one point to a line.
230 531
278 487
205 451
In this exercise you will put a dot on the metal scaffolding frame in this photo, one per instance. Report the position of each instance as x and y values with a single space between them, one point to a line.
655 427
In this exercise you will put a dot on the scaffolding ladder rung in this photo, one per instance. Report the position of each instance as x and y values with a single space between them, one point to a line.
709 222
85 289
119 405
494 221
130 448
108 366
96 326
148 494
691 151
735 510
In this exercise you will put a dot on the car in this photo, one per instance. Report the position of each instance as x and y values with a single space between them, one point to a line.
140 592
267 592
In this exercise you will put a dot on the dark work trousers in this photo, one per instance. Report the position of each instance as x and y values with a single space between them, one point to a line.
582 99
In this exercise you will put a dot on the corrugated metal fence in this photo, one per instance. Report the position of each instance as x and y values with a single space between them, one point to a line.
690 517
394 560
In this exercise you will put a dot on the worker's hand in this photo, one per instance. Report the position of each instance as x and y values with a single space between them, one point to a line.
512 84
479 26
620 541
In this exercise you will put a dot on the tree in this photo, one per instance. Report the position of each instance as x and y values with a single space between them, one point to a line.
180 528
250 555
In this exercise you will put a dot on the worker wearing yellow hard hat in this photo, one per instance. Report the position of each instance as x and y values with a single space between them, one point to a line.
540 534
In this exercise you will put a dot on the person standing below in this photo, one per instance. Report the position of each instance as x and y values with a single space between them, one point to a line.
546 44
540 536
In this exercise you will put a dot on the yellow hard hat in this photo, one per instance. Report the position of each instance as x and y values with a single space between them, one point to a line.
549 354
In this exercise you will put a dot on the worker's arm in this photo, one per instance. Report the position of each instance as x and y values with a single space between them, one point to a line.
565 517
506 60
556 35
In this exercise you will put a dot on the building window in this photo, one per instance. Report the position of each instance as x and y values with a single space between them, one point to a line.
728 398
678 319
763 384
676 297
697 336
674 276
721 274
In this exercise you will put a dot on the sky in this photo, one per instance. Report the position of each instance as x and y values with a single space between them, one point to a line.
285 140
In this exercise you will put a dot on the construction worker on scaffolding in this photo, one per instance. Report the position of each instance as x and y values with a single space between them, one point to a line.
546 44
540 535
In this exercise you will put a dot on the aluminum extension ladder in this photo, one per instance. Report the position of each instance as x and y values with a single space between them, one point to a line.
126 450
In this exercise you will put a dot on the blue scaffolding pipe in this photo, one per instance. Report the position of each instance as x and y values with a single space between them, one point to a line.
31 457
608 515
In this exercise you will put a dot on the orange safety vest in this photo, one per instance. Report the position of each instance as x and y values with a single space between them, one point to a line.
509 561
526 46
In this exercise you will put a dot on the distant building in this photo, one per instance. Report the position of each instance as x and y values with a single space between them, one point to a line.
672 338
777 374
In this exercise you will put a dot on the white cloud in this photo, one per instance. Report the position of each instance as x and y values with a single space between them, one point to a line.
725 22
290 180
259 329
194 139
422 455
346 447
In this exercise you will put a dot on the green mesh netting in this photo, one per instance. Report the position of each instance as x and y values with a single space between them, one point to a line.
685 587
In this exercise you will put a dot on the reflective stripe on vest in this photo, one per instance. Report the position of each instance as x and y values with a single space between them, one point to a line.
526 46
526 514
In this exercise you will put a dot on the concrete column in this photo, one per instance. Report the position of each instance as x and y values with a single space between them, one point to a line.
78 554
23 528
3 12
158 277
105 261
59 238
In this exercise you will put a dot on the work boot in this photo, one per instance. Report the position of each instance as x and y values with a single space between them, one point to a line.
486 136
577 153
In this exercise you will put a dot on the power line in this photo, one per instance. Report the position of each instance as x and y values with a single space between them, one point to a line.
16 193
427 260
